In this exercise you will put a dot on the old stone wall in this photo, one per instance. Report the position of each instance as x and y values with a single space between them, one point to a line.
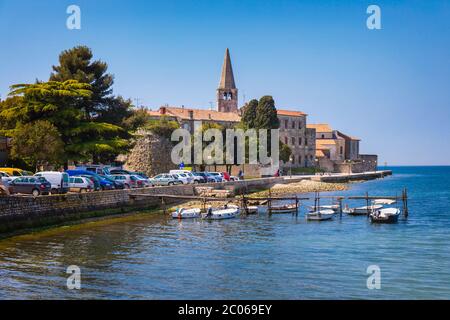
151 154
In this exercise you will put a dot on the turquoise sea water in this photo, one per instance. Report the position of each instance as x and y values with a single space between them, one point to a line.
257 257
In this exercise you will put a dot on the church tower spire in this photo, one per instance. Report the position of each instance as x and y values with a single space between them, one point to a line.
227 93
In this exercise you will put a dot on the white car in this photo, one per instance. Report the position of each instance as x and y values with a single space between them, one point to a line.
184 177
80 184
58 180
193 178
5 178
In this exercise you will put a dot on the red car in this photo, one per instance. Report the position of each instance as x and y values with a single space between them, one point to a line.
226 176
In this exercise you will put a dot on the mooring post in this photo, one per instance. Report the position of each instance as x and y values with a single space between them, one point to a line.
296 205
269 206
405 203
340 207
367 203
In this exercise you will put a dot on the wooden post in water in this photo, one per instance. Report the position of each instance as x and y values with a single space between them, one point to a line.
367 203
405 203
340 207
296 205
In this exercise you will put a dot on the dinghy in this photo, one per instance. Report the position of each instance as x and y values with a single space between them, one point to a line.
334 207
288 208
221 214
182 213
363 210
384 201
386 215
252 209
320 215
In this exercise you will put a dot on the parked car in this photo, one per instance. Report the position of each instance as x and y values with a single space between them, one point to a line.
145 181
128 180
15 172
120 171
95 181
104 183
30 185
165 179
117 184
206 176
186 174
234 178
217 176
80 184
58 180
96 168
199 177
184 178
5 178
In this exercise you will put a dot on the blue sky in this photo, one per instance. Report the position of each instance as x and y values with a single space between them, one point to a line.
389 87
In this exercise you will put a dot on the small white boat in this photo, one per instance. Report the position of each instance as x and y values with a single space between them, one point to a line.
363 210
221 214
386 215
334 207
182 213
288 208
320 215
252 209
384 201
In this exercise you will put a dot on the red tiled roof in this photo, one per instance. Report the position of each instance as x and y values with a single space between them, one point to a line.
197 114
320 127
290 113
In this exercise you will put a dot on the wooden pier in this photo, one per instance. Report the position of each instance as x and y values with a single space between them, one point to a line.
244 200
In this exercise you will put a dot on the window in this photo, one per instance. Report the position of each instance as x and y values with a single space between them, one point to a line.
293 124
78 180
341 150
323 136
293 141
286 122
299 141
306 142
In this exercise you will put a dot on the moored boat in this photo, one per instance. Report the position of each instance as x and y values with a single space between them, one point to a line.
334 207
320 215
363 210
385 215
287 208
182 213
221 214
251 210
384 201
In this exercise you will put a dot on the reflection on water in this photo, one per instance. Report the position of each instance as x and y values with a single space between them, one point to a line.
257 257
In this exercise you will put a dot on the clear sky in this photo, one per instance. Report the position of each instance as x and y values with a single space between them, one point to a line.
389 87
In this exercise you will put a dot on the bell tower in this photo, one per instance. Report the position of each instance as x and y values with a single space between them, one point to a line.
227 93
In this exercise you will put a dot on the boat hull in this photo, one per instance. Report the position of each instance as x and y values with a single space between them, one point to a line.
321 215
187 214
283 209
222 214
388 215
363 211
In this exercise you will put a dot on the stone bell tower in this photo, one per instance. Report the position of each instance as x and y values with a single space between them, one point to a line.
227 94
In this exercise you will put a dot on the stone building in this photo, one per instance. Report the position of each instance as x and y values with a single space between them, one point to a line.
339 152
301 140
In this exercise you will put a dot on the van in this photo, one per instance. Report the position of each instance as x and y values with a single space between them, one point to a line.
15 172
58 180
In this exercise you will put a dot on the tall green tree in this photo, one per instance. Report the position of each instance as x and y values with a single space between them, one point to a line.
266 114
101 106
249 113
37 143
59 103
